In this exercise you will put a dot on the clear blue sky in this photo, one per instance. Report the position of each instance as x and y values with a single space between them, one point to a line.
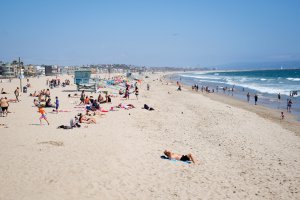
151 33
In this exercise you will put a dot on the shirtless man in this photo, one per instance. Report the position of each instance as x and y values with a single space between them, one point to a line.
175 156
4 106
17 93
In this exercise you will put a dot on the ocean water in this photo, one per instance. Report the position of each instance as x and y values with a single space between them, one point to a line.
267 84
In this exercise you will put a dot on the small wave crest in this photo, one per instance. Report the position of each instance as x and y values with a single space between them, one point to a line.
293 79
200 77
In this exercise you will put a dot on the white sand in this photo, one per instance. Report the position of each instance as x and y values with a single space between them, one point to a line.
240 154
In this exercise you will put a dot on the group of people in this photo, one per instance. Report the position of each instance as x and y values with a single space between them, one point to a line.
44 99
92 102
4 101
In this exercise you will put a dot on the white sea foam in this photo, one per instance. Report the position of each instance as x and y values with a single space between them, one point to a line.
211 81
201 77
261 85
261 88
293 79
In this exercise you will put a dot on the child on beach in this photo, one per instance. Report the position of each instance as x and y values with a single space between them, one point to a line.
282 115
43 115
56 104
137 92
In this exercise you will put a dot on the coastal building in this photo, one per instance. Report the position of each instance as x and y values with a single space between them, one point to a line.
51 70
7 70
30 70
40 71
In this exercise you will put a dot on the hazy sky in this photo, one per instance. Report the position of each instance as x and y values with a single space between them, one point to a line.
151 33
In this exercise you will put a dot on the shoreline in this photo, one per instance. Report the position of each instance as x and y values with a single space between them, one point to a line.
290 122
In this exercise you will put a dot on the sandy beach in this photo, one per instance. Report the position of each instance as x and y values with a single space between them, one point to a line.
241 152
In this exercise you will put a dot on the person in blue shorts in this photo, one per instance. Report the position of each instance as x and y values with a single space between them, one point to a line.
56 104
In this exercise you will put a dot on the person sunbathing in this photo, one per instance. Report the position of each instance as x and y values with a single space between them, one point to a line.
100 98
49 104
175 156
127 107
94 113
106 100
87 120
147 107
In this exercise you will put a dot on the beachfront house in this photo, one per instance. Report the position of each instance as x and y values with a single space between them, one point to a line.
7 70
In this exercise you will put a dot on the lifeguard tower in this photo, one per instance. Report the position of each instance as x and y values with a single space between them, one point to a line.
83 80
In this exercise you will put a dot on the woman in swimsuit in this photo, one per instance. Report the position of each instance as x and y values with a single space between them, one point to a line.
175 156
87 120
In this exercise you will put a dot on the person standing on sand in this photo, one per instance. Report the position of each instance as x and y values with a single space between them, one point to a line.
282 116
17 93
289 105
136 92
56 104
255 99
4 106
248 97
43 115
82 97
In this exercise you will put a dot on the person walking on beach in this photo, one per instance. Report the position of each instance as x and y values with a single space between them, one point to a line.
136 92
82 97
279 97
255 99
17 93
56 104
43 115
248 97
289 105
4 106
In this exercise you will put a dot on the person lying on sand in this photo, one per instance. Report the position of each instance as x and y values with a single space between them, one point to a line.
74 123
3 126
87 120
74 96
127 107
106 100
175 156
147 107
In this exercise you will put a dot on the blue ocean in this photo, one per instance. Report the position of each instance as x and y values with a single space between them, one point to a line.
267 84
